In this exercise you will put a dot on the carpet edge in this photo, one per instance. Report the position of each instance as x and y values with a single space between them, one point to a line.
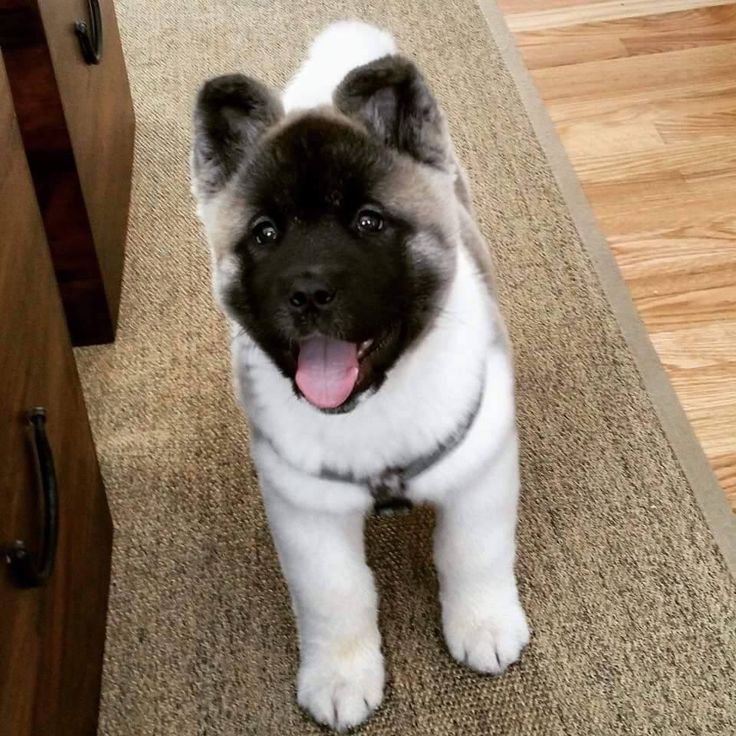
679 433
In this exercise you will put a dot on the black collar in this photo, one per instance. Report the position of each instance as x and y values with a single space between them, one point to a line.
388 488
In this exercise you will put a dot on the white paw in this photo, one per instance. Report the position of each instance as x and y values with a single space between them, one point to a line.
343 687
489 641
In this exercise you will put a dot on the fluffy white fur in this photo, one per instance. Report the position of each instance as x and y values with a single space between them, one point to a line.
338 49
318 525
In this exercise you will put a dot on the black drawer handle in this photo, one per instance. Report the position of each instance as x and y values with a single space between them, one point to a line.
90 38
27 572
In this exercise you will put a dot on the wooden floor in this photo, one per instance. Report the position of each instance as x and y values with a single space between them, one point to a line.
643 94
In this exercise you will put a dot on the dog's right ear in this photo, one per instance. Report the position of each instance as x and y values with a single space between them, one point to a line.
392 99
230 115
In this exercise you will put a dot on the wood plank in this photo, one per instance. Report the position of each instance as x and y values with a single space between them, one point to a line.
658 199
646 109
552 49
660 261
695 347
696 126
659 73
712 428
695 28
651 108
620 197
698 306
725 469
688 159
690 29
702 388
653 221
586 141
684 281
567 15
510 7
631 104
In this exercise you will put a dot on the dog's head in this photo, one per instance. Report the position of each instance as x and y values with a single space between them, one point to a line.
332 231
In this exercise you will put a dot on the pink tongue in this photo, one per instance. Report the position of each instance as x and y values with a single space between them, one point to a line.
327 371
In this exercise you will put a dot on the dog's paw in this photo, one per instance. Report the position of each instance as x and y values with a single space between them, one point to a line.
343 687
489 642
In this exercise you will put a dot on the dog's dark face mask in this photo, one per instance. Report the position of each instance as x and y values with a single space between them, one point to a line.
329 229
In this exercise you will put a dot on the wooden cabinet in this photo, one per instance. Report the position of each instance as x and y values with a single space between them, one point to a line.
76 120
51 636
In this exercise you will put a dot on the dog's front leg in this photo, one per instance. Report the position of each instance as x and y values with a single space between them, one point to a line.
484 624
341 677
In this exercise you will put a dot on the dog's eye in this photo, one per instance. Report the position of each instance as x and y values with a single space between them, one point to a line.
369 221
265 231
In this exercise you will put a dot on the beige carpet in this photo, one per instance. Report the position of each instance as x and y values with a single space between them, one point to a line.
631 602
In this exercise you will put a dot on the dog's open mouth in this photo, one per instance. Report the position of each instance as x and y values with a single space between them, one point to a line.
329 370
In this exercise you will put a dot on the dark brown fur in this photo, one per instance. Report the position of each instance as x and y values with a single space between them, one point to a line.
309 176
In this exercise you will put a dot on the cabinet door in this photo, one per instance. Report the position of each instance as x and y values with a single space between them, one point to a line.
76 120
51 636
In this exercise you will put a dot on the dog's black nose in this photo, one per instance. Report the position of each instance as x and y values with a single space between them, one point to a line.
310 290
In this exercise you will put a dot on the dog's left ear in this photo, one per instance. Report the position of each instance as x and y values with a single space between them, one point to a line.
230 115
392 99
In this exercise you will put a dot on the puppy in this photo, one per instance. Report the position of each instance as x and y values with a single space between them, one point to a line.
368 350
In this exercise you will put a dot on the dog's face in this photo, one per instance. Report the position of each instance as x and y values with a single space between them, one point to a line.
333 231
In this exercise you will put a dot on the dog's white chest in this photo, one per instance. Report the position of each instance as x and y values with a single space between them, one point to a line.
461 363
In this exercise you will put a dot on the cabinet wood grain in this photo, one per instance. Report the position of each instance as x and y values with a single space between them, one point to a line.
77 124
51 637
